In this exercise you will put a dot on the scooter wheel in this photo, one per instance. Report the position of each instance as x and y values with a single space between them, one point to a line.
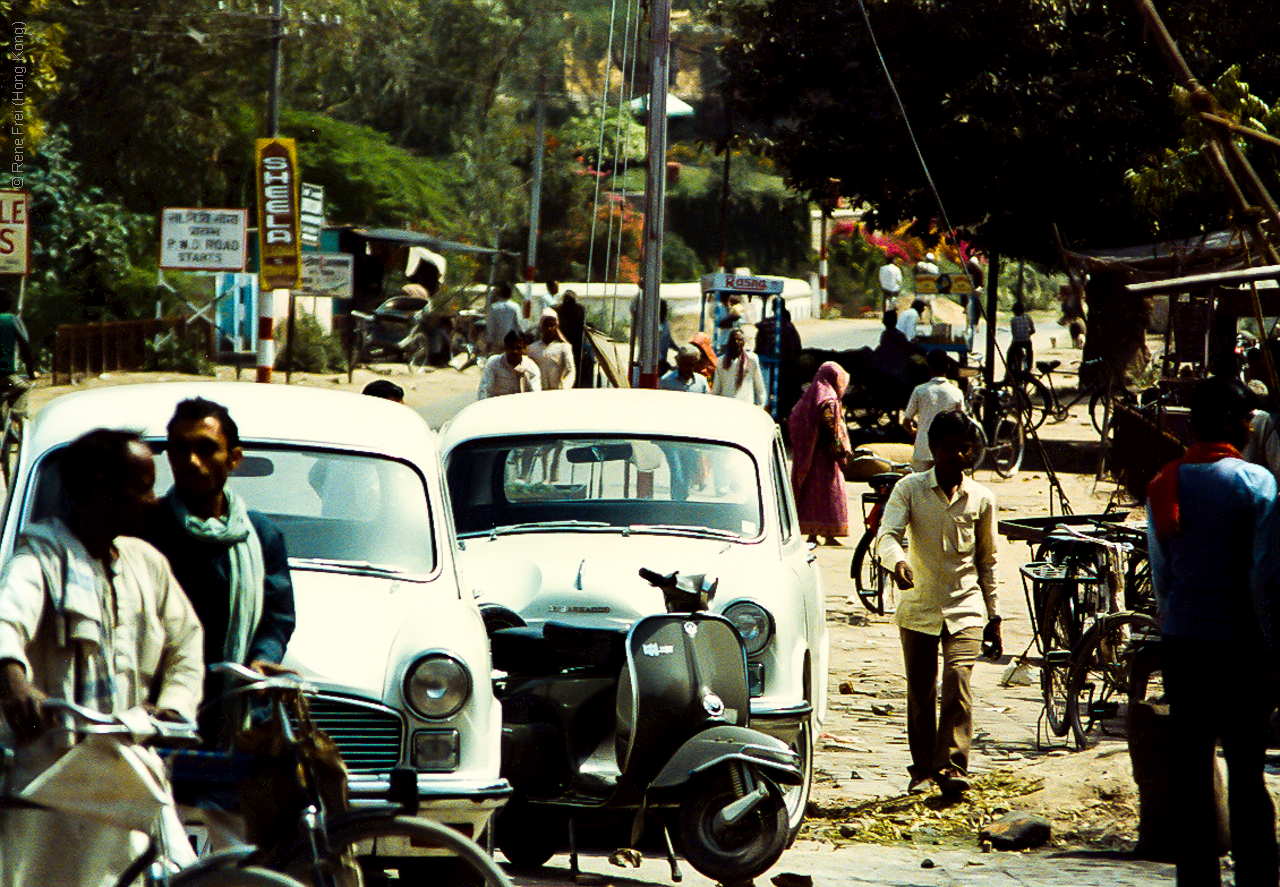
729 853
529 837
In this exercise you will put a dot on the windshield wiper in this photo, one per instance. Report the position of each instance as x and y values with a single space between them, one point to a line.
684 530
353 565
534 526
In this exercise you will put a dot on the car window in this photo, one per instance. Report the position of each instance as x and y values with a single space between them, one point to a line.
330 506
625 482
782 487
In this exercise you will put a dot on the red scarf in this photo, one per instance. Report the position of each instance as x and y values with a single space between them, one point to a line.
1162 492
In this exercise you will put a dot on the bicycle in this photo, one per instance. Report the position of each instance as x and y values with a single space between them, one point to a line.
1039 400
1008 442
160 864
326 840
1088 625
13 392
872 580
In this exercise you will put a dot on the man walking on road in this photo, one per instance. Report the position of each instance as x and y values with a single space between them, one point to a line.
504 316
890 284
948 599
1214 542
511 372
91 616
552 353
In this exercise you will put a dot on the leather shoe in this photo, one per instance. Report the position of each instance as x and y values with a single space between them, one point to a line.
953 782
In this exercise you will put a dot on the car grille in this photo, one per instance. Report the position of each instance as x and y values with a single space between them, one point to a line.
369 736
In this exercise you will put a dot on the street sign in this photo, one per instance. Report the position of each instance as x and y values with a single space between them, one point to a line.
312 214
279 246
942 284
328 274
15 234
203 239
724 282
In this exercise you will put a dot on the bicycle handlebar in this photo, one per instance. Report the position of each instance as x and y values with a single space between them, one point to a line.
248 679
142 726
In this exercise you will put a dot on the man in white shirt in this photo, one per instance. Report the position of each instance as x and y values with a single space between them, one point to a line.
938 395
510 372
94 616
738 372
890 284
947 578
552 353
504 316
908 320
683 378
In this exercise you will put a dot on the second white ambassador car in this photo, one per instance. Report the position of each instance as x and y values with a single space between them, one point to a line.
559 499
397 649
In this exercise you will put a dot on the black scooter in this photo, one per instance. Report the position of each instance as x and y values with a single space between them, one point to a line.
601 721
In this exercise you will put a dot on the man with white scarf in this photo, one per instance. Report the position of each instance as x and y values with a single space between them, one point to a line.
89 615
231 561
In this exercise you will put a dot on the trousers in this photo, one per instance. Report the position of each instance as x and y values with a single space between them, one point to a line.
939 736
1216 693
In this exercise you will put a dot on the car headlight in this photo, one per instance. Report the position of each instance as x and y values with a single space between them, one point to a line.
754 625
437 685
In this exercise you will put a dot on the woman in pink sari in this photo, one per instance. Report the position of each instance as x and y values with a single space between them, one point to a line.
819 446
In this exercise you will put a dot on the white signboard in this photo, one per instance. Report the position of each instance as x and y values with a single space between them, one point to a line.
311 216
741 283
15 240
203 239
328 274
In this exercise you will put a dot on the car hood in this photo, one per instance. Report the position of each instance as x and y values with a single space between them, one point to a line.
593 578
356 632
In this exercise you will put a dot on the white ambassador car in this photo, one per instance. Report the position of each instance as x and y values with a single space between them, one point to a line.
559 498
398 652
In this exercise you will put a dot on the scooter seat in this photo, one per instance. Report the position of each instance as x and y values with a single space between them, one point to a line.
555 646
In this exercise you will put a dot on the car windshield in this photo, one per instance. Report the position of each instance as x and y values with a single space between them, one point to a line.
631 483
339 508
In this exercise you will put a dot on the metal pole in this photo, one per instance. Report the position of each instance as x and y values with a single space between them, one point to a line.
535 199
288 339
273 88
822 263
655 189
989 368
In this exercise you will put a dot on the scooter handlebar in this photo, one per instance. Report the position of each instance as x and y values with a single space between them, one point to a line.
657 580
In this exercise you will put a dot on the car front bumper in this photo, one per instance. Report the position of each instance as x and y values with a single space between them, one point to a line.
781 720
463 805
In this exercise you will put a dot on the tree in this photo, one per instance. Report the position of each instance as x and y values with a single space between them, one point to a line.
1028 113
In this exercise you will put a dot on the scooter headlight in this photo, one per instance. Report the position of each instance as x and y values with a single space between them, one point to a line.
754 625
437 685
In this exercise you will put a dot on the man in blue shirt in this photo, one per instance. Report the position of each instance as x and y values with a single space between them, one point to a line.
14 343
1212 537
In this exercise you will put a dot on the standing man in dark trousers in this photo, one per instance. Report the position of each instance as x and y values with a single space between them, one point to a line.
231 561
948 600
1213 539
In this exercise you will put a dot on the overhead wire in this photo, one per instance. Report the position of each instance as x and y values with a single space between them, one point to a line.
624 104
604 96
618 135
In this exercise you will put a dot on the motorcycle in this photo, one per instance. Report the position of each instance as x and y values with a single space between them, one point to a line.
614 721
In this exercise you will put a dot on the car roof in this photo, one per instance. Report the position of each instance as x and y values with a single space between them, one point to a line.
263 414
614 410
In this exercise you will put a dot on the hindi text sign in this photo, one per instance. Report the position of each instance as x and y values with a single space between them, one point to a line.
328 274
203 239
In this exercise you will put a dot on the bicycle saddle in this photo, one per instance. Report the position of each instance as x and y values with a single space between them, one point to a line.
884 482
1048 366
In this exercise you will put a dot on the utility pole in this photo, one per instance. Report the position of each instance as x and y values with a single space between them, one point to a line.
266 300
655 189
535 199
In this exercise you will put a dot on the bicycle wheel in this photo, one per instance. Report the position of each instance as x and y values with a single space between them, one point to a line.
1034 401
382 847
1098 692
871 580
1058 631
1007 445
1139 591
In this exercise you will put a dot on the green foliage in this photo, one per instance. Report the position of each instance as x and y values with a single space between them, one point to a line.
1027 113
369 181
1037 287
1177 187
184 354
85 248
853 270
314 350
623 139
679 261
